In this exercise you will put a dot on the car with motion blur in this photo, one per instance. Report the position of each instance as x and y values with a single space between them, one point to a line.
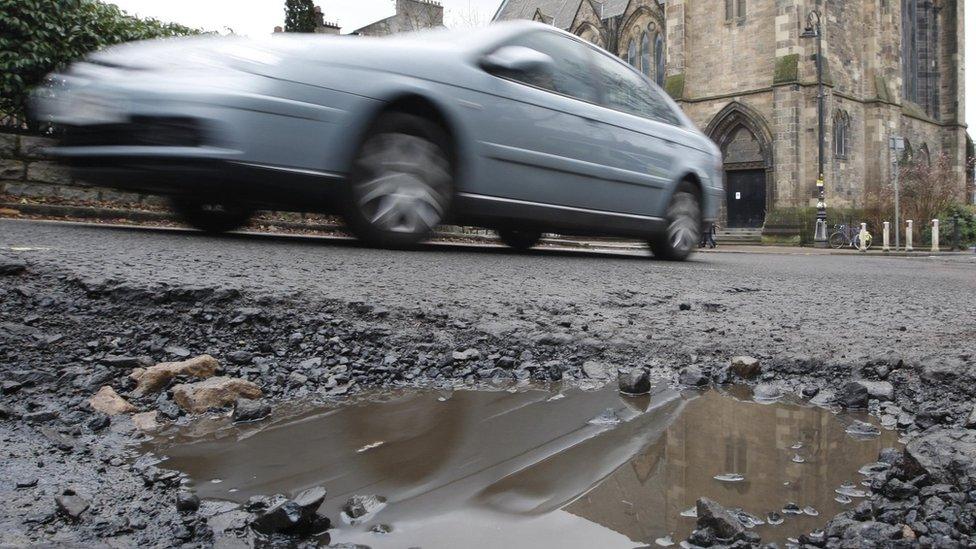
517 127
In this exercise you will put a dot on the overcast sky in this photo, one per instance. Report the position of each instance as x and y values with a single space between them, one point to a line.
257 17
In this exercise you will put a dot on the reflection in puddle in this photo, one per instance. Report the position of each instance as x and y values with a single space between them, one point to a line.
522 469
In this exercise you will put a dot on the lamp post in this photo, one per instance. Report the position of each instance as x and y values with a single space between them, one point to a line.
814 29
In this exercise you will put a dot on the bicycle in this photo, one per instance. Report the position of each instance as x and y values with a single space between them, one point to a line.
847 235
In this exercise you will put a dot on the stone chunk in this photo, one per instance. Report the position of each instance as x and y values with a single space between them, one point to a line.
467 354
360 506
853 395
250 410
881 390
292 516
215 392
634 382
108 402
718 519
946 456
692 377
71 505
596 370
154 378
746 367
146 421
187 502
766 392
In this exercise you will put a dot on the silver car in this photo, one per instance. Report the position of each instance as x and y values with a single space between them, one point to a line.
518 127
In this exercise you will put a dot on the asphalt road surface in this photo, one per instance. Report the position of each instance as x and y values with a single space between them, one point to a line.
804 304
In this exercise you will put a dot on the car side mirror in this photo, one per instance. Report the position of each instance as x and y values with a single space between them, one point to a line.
516 60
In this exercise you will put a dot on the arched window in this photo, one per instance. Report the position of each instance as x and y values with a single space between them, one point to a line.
920 54
632 53
923 155
659 59
842 134
908 155
645 56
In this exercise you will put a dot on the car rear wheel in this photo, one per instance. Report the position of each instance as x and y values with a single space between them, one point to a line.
212 215
684 222
401 186
519 239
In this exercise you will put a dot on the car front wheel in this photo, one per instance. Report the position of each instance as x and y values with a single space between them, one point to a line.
684 222
401 185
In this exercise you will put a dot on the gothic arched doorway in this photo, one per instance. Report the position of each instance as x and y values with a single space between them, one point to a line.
747 152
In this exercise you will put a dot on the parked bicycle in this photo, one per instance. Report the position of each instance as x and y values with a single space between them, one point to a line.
848 235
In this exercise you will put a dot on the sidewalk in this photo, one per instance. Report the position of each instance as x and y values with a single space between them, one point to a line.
111 217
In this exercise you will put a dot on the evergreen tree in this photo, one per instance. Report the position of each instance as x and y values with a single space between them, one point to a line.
299 16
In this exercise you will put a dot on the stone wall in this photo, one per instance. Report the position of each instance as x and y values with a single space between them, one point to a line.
26 172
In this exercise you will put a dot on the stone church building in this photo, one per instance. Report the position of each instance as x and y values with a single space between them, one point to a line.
744 72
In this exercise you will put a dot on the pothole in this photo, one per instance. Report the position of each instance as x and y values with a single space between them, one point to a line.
525 469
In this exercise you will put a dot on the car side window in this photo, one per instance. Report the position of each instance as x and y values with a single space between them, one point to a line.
625 90
570 73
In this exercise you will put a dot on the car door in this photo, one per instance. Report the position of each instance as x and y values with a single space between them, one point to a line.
644 139
538 140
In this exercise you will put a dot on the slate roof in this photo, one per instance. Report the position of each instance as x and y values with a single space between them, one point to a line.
562 11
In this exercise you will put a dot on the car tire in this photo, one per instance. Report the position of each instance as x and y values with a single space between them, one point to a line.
684 224
518 239
401 185
212 216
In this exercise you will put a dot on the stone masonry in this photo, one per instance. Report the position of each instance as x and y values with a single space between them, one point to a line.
26 172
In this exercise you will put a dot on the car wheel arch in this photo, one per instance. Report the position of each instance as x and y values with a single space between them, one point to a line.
424 106
692 179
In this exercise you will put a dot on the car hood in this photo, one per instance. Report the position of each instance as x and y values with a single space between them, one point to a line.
253 54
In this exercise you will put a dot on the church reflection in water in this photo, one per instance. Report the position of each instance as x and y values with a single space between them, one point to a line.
715 435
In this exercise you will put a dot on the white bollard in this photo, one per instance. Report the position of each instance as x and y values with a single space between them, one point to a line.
935 235
862 244
884 234
908 236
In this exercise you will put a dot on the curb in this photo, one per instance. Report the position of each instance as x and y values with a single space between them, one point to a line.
142 216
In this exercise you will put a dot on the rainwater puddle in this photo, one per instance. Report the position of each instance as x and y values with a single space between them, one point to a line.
522 469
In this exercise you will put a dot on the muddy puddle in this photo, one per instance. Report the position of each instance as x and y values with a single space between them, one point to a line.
537 468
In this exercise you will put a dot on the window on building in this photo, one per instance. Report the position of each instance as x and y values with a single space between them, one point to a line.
919 54
924 156
842 134
908 155
645 56
659 59
735 9
632 53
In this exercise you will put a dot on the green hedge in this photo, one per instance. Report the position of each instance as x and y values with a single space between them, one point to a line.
966 215
39 36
